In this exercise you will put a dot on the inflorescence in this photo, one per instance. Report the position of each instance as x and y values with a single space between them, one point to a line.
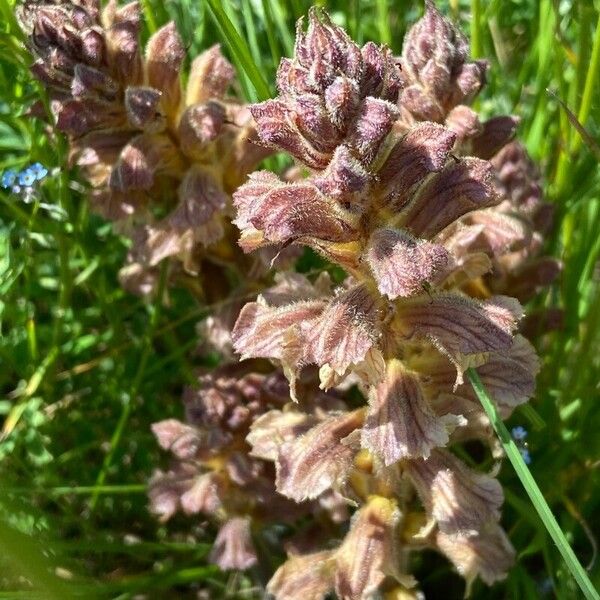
339 408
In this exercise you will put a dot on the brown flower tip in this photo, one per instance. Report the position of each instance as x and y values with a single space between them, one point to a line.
332 92
435 68
164 56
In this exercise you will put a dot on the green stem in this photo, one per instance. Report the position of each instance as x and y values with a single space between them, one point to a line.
532 489
383 22
475 30
149 17
590 84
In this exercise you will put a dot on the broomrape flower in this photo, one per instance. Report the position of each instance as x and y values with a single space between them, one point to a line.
424 230
213 471
161 159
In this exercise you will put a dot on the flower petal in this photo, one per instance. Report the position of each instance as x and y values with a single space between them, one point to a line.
459 499
319 459
233 547
488 555
260 330
200 197
372 125
276 128
307 577
459 325
271 430
164 55
204 496
463 186
401 264
423 150
369 550
400 423
210 76
497 132
141 104
284 212
345 331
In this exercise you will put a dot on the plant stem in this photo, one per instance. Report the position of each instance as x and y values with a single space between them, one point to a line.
532 489
475 31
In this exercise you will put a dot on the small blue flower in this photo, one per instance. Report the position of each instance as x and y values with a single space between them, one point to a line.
39 170
526 456
519 433
8 178
27 178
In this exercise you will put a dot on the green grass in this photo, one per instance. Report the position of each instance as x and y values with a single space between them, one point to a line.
85 368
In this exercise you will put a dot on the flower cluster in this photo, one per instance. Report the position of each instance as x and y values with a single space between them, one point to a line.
23 182
161 160
400 193
214 471
349 397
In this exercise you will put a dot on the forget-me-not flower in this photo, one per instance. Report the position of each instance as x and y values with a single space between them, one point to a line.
8 178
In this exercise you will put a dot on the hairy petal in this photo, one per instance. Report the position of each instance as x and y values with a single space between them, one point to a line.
164 55
200 198
463 186
509 376
233 547
319 459
283 212
199 125
276 128
180 439
368 551
401 264
489 231
496 133
488 555
260 330
459 499
141 104
307 577
210 76
204 495
371 127
271 430
400 423
344 333
459 325
423 150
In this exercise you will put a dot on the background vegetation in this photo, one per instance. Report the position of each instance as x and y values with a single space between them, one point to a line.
86 367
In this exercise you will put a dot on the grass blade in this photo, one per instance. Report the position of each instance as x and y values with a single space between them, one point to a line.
240 49
532 489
